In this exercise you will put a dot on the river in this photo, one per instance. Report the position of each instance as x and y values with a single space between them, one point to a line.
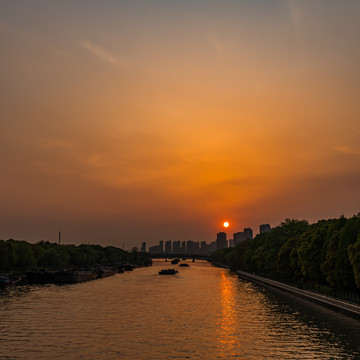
203 312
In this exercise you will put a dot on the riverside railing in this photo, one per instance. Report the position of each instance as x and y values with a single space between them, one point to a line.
341 305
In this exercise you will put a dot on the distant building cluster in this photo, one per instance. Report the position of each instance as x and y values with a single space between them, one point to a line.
238 237
202 248
182 247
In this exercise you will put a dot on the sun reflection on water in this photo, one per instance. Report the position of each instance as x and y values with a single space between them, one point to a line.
203 313
229 341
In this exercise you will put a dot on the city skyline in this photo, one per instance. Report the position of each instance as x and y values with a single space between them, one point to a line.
139 120
203 247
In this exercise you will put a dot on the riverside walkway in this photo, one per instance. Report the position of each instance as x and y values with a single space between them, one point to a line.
340 305
344 306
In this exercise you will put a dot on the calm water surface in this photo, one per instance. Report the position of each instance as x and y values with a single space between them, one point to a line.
203 312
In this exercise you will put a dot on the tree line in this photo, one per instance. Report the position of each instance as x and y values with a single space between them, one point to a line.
16 255
324 255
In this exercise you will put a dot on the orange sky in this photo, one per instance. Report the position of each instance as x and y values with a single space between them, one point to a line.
131 121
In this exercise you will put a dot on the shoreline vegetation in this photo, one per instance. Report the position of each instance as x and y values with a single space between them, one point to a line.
323 257
51 262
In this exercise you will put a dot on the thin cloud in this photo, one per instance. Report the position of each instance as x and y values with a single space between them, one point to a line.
347 150
57 143
99 52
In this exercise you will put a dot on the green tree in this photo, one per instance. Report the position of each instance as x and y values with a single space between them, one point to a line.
344 275
328 266
287 260
5 256
310 251
22 256
354 257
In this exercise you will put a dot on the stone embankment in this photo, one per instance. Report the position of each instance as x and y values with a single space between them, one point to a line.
340 305
344 306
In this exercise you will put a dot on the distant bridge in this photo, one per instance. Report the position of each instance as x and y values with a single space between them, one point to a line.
180 256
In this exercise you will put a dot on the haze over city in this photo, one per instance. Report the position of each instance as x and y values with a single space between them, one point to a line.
131 121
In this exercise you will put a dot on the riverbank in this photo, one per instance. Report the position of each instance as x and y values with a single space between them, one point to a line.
340 305
203 313
322 257
18 257
68 275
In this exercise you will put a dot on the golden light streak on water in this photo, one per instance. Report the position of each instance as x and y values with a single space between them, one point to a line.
202 313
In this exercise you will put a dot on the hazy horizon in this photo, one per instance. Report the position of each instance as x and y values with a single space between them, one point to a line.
148 120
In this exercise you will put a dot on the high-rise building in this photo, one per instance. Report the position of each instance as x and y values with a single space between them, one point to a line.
265 228
196 247
155 250
176 247
248 233
190 247
143 247
183 247
212 246
239 237
161 245
204 247
168 247
221 241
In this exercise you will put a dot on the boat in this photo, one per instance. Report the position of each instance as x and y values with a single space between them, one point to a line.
4 279
184 264
39 276
128 267
175 261
168 272
106 271
85 275
72 277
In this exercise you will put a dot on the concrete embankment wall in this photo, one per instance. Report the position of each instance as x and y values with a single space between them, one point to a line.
344 306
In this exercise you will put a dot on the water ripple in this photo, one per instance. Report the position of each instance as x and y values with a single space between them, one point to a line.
201 313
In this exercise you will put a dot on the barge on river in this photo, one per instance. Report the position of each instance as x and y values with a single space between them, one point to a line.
72 277
168 272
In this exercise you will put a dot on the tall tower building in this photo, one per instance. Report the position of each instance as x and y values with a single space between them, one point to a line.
221 242
176 247
239 237
248 233
189 247
183 247
204 247
168 247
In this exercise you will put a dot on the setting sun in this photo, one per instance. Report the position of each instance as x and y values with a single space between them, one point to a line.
226 224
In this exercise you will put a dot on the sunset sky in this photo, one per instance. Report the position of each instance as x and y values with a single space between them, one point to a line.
125 121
